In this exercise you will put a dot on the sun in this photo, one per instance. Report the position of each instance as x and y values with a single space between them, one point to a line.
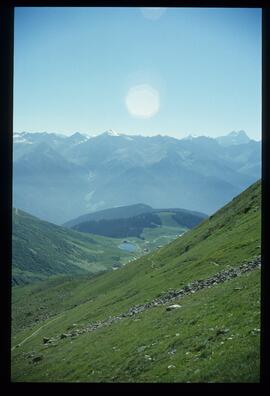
143 101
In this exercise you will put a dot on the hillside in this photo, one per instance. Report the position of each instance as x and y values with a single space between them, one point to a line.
130 221
58 178
121 212
100 333
137 225
41 249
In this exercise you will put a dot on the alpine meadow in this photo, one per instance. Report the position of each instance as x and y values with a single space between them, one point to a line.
136 221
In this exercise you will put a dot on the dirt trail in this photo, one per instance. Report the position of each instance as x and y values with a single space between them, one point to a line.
35 332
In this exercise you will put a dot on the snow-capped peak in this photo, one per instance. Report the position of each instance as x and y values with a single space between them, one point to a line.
79 137
233 138
191 136
111 132
238 133
20 138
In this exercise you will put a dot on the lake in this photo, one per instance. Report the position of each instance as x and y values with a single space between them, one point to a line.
129 247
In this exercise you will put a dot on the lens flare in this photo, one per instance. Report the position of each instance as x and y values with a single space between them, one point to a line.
142 101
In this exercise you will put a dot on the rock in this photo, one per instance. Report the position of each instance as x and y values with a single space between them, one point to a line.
148 357
171 307
45 340
255 332
171 366
64 335
28 355
222 331
37 359
141 348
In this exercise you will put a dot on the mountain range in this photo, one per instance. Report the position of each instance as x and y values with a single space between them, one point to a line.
57 178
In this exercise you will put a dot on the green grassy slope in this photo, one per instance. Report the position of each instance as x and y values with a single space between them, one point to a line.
191 338
214 337
41 249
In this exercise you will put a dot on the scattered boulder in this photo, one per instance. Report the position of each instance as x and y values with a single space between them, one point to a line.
64 335
174 306
255 332
37 358
148 357
222 331
45 340
141 348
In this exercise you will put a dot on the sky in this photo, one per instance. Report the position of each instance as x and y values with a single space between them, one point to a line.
170 71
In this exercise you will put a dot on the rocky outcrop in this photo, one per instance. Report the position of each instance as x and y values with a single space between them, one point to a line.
173 295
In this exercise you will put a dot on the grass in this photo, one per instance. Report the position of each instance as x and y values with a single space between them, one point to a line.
226 239
189 339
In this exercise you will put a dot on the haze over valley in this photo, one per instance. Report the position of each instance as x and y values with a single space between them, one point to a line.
57 178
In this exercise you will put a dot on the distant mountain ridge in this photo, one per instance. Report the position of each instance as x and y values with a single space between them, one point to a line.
58 177
130 221
121 212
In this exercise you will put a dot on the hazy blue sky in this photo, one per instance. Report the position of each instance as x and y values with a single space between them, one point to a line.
195 71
